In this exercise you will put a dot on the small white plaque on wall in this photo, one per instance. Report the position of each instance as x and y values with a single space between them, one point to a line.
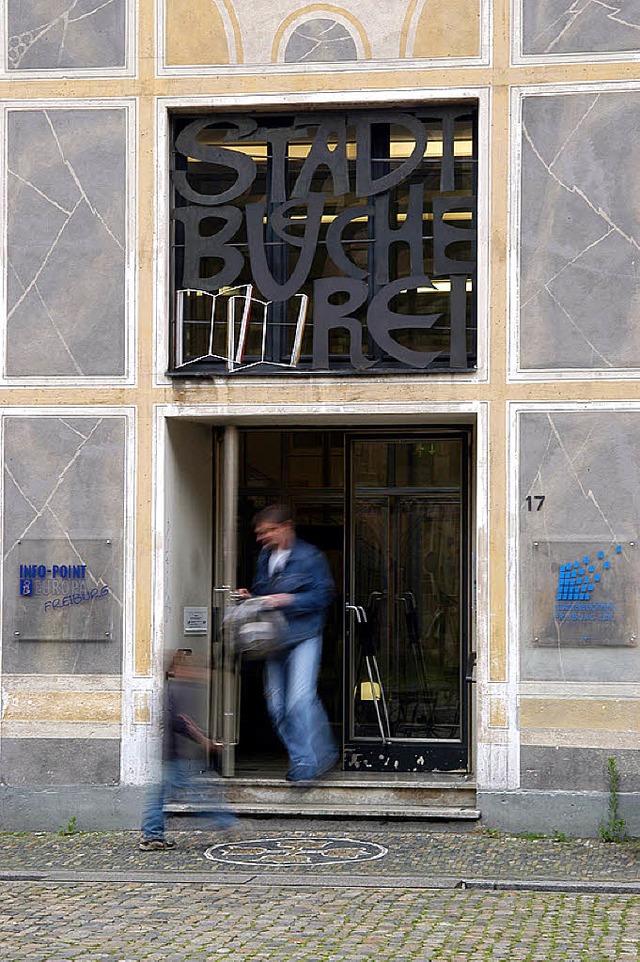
195 620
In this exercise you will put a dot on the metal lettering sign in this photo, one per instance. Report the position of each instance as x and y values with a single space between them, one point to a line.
64 591
584 594
321 242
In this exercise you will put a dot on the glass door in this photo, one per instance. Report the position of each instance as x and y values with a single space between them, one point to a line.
406 693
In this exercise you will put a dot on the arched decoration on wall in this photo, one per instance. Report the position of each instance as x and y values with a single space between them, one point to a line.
441 28
202 32
320 32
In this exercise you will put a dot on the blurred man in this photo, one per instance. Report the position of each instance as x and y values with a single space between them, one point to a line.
294 576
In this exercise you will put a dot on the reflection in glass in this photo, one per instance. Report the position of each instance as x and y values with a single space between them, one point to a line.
406 564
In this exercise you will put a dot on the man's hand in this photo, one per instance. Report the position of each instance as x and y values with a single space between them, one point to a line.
277 601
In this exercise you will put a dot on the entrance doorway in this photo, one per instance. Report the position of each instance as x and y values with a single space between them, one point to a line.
390 511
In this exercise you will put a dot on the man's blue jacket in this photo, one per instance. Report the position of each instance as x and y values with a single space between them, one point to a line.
307 577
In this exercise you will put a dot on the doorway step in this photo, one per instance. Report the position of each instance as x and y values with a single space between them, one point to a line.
449 797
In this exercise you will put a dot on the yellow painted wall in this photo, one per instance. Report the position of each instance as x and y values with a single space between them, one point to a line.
195 33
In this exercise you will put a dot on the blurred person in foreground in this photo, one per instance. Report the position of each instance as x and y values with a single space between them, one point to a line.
294 577
183 742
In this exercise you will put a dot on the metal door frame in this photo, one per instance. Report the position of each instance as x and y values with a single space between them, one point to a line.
426 755
226 675
412 755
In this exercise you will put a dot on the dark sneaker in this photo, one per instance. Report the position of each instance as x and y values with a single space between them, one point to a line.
155 844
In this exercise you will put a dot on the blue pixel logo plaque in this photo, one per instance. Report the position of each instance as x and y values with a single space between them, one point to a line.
584 593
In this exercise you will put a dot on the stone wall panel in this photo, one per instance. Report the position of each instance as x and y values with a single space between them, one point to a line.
66 243
586 465
64 482
580 232
60 761
576 769
54 35
556 27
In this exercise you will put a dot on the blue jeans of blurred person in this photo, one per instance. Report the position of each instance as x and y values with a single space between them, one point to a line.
177 777
291 692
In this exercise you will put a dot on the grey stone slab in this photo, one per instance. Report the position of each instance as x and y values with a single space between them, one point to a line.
66 243
60 761
577 814
66 34
580 231
62 658
586 464
96 808
558 27
64 482
576 769
39 170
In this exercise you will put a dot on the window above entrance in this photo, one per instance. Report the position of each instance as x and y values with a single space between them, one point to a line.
324 242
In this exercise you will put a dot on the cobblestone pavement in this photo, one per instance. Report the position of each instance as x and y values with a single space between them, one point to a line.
128 922
318 892
417 852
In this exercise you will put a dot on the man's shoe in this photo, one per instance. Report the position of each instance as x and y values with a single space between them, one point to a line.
328 763
301 773
155 844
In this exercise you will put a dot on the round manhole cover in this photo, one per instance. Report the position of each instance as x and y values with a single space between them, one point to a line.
289 850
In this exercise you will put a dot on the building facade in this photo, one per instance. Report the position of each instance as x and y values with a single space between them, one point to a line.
380 262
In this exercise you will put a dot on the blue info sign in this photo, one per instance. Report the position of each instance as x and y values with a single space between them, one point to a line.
62 599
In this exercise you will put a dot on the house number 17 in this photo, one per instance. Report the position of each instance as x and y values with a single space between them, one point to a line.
538 499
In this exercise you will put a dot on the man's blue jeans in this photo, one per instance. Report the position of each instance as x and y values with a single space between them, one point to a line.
177 780
291 681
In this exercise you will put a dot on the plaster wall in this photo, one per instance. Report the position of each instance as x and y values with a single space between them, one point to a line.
85 318
188 530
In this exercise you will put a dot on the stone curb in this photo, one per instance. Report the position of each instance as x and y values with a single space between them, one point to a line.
551 885
322 881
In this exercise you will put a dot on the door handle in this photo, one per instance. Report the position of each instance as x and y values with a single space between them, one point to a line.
471 664
361 615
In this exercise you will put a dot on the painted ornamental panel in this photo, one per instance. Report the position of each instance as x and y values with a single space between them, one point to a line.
207 33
